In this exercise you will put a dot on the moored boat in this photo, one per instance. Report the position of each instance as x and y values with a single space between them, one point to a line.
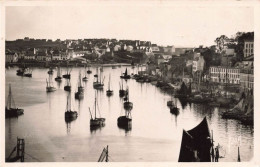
80 93
122 92
85 78
95 121
50 87
50 71
58 78
67 87
98 84
11 110
109 91
125 75
69 114
67 75
127 104
196 144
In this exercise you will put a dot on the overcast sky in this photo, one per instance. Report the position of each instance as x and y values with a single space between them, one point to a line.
164 25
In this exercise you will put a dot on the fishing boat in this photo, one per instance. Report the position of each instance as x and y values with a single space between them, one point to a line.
114 66
96 122
10 109
174 109
80 93
67 75
109 91
125 75
50 71
50 87
122 92
28 73
196 144
85 78
127 104
98 84
69 114
58 78
125 121
67 87
101 69
21 70
89 71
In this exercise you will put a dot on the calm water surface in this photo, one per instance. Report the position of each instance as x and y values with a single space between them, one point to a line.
155 134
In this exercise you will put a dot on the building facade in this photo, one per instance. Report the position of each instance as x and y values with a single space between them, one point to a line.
224 75
247 79
248 48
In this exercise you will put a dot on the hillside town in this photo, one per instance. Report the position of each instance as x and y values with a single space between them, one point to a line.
228 65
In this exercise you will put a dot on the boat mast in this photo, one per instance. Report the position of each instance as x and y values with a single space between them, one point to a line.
80 79
95 105
109 83
238 158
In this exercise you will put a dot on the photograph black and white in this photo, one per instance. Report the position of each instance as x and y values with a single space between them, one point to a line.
128 82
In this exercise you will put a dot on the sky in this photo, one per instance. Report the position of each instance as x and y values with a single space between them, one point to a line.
186 26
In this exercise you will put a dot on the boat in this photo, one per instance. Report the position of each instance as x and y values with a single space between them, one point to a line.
50 87
125 121
11 110
69 114
173 106
122 92
80 93
101 69
58 78
50 71
196 144
109 91
98 84
67 75
85 78
96 122
28 73
89 71
21 70
114 66
125 75
127 104
67 87
104 155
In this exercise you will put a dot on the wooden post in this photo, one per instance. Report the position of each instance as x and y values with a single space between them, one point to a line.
107 154
20 149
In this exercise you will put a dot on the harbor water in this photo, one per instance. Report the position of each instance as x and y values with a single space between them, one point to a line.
155 134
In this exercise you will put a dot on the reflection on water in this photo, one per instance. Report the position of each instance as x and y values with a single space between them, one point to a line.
154 135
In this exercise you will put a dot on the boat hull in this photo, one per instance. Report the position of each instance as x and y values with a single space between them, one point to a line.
84 79
125 77
70 115
28 75
13 112
58 79
174 110
79 95
98 85
124 122
66 76
67 88
50 89
109 92
122 93
98 122
89 72
128 105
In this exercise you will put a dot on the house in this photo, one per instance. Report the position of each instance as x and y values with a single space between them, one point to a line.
246 79
248 48
43 55
223 74
11 57
31 54
198 64
56 55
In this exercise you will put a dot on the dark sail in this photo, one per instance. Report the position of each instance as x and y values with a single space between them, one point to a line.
196 144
